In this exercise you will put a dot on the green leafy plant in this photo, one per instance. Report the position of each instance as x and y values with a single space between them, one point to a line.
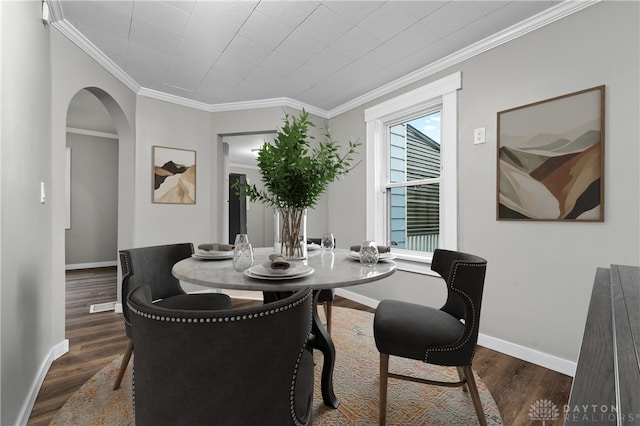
295 174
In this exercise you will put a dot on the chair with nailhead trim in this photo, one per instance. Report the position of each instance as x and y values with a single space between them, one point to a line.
245 366
152 266
445 336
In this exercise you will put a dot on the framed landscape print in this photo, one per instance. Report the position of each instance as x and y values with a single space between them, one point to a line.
174 175
550 162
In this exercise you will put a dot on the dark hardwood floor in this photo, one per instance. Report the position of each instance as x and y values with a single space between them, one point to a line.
96 339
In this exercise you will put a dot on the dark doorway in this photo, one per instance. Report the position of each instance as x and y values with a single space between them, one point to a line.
237 207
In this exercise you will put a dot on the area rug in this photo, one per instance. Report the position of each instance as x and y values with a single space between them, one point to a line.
355 384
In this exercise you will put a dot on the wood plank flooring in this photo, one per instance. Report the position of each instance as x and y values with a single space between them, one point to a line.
97 339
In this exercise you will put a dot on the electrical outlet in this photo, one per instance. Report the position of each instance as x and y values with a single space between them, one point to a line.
479 136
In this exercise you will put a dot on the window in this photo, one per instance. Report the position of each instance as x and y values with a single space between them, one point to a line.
413 187
411 156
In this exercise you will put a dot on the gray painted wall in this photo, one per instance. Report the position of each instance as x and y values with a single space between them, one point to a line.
88 113
94 200
540 274
25 223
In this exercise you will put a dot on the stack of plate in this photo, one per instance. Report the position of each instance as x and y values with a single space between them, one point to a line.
266 272
382 257
313 246
212 254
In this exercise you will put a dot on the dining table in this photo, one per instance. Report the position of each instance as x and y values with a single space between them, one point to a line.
322 269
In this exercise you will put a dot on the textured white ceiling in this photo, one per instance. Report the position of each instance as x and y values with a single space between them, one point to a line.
319 53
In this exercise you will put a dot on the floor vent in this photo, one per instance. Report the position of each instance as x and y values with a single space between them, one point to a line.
102 307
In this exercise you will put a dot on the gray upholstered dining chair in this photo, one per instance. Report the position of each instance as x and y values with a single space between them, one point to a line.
249 366
152 266
445 336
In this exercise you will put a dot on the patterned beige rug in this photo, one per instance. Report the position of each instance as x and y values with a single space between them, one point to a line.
355 384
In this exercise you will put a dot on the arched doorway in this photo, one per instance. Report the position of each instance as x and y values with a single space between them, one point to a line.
98 124
92 184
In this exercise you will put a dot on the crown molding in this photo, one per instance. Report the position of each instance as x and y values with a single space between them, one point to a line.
55 9
167 97
85 44
268 103
234 106
90 49
542 19
533 23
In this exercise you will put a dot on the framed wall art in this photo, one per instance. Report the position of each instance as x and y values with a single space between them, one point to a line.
174 175
550 164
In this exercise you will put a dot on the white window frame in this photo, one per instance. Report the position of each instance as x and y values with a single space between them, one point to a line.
440 94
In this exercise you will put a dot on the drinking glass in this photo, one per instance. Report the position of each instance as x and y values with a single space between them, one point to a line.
327 241
242 253
369 253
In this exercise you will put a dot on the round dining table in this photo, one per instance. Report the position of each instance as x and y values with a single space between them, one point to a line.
329 269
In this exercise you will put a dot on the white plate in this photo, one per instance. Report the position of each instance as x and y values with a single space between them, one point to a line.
213 252
266 270
313 246
302 273
214 255
383 257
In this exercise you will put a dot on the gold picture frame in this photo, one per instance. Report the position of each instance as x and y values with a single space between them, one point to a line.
173 176
550 159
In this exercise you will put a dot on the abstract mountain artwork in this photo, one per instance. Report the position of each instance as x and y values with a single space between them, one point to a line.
551 159
174 175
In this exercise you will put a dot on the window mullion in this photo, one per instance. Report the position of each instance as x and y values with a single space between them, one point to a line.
412 182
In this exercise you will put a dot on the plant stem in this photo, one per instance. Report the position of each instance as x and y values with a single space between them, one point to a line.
290 243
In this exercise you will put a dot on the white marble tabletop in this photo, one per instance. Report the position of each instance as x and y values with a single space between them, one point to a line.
332 269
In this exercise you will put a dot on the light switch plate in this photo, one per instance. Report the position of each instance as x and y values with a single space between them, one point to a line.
479 135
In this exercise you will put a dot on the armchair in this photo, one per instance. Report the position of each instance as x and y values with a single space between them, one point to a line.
445 336
152 266
230 367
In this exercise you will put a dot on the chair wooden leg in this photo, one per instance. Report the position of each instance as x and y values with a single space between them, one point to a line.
328 310
123 366
475 396
461 375
384 369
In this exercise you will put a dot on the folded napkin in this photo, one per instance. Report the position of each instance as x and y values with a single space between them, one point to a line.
279 262
215 247
381 249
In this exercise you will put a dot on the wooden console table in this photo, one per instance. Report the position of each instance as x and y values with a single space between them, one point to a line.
606 387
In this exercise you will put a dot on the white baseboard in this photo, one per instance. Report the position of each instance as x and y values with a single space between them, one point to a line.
512 349
118 308
363 300
91 265
533 356
60 349
56 352
241 294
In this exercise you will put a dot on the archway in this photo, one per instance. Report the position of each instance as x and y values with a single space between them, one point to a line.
120 128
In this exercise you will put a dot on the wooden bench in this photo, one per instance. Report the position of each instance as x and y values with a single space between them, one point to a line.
606 387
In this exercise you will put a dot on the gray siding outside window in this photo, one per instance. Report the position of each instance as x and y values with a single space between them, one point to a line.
414 210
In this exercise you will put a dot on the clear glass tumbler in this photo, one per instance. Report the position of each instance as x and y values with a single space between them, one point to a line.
369 253
242 253
327 241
